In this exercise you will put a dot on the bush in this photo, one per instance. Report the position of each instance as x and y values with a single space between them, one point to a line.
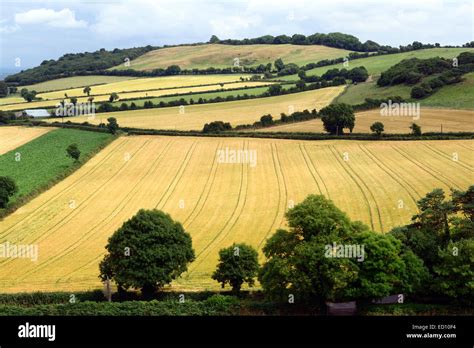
418 92
8 188
216 127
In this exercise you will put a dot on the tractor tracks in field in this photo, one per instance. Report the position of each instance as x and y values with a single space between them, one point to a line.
386 169
172 186
447 157
426 168
312 169
205 192
280 183
221 234
353 175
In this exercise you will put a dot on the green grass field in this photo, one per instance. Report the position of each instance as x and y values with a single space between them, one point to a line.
43 159
376 65
222 56
75 82
356 94
457 96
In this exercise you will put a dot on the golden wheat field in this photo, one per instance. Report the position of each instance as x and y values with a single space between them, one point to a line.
430 120
13 137
217 202
194 117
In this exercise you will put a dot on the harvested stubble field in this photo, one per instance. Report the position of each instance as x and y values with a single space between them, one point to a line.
430 121
13 137
218 203
237 112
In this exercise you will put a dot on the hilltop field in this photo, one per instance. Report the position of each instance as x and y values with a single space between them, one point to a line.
221 56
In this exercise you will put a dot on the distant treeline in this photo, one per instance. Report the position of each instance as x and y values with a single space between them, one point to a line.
337 40
93 63
73 64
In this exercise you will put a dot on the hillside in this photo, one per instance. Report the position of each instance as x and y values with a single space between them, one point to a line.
222 56
376 65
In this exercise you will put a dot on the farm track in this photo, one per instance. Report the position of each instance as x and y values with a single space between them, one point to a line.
225 203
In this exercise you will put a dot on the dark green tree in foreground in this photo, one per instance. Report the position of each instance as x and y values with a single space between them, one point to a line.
149 251
336 117
377 128
302 261
442 235
87 90
238 264
73 152
7 189
112 125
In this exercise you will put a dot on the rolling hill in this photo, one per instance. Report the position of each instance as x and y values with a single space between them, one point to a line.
222 56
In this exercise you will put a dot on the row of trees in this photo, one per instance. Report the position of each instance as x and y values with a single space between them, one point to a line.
429 256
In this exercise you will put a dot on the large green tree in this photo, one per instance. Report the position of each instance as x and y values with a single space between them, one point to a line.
149 251
303 260
336 117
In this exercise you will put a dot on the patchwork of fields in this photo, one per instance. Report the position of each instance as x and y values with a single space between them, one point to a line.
218 203
430 120
13 137
237 112
136 88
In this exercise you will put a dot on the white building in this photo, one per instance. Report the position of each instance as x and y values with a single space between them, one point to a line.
36 113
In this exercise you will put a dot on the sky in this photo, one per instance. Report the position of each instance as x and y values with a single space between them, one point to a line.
32 31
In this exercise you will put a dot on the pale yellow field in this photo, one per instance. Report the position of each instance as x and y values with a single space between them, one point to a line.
13 137
430 121
141 94
220 56
218 203
238 112
146 84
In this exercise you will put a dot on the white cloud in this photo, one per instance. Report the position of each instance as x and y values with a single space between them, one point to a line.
64 18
